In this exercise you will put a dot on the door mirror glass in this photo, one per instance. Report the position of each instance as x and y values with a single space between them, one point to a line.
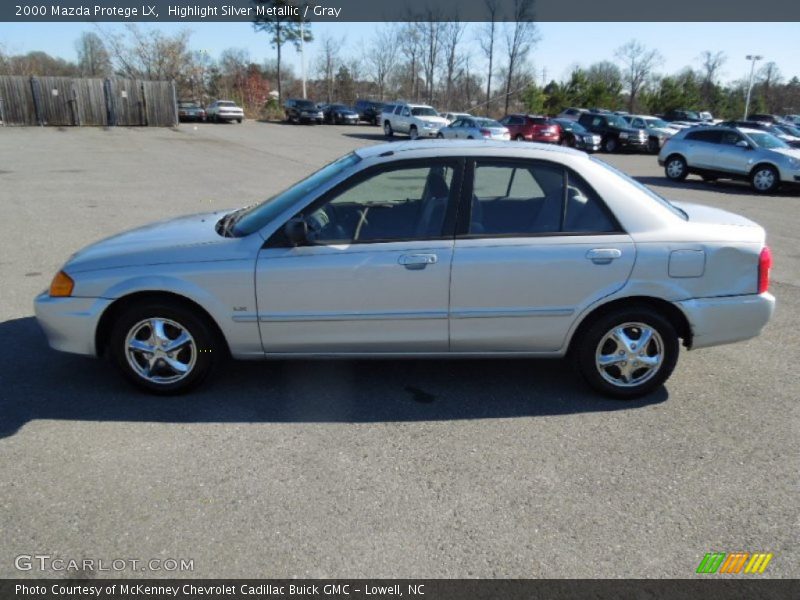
296 230
743 144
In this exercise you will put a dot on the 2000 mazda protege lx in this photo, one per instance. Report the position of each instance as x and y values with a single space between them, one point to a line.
423 249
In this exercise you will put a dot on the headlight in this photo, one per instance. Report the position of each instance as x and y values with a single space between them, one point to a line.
794 163
623 136
61 286
427 125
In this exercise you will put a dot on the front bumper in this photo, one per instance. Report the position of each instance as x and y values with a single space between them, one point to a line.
70 323
727 319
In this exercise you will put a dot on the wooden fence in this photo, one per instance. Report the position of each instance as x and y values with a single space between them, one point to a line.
69 101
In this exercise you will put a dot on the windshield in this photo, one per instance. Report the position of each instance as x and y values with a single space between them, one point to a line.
489 123
188 105
225 103
339 107
653 123
618 122
662 201
257 216
572 126
762 139
306 104
424 111
790 130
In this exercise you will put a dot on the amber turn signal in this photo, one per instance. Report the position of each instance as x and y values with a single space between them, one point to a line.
61 286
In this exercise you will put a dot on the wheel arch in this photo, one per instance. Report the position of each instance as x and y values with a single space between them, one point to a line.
765 163
667 309
113 310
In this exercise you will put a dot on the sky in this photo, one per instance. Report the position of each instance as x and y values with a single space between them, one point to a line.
562 45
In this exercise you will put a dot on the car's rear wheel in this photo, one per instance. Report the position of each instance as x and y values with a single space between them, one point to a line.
413 133
440 136
765 179
628 352
163 347
611 144
387 129
675 168
520 138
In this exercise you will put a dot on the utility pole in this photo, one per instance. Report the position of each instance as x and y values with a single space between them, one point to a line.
303 57
752 58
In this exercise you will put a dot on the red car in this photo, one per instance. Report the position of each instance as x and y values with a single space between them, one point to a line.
532 128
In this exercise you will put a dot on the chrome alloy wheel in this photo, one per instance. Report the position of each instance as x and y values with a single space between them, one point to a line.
764 180
160 350
630 354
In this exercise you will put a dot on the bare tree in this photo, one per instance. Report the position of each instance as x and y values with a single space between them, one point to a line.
328 62
93 58
638 63
411 48
280 30
431 36
486 41
149 53
768 77
712 63
454 58
381 59
521 36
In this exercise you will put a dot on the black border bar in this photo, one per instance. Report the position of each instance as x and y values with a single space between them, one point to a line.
403 10
706 588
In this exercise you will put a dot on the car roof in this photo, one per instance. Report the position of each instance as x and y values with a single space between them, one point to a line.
457 147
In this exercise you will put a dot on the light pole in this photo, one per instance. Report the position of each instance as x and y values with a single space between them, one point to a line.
752 58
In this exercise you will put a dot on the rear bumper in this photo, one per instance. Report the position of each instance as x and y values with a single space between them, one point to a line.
716 321
70 323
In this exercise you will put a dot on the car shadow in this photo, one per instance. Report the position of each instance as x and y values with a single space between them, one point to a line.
376 136
727 186
39 383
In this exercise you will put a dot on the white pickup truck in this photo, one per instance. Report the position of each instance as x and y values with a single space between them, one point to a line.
417 120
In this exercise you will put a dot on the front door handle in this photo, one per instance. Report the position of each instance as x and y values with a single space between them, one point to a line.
603 256
416 262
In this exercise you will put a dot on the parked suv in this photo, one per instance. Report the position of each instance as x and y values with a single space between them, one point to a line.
532 128
302 111
614 131
682 115
417 120
785 133
732 153
369 111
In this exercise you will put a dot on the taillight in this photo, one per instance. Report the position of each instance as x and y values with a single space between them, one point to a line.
486 133
764 265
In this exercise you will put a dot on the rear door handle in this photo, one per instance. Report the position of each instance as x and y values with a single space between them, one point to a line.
416 262
603 256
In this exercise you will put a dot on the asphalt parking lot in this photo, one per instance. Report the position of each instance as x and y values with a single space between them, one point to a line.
369 469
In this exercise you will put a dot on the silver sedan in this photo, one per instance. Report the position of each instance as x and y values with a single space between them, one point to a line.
423 249
475 128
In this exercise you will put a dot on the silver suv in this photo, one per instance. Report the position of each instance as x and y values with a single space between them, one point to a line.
731 153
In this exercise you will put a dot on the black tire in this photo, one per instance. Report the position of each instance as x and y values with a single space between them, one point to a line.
588 346
413 132
387 129
675 168
652 145
611 144
765 179
519 138
439 136
239 121
207 348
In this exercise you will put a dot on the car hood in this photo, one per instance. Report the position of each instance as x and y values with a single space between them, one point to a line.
791 152
186 239
663 130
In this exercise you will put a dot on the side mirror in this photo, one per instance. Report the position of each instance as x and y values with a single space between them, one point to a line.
297 231
743 144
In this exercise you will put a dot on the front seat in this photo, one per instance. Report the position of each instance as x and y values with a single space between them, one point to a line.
434 205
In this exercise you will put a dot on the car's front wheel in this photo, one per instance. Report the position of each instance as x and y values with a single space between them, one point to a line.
611 144
163 347
652 145
675 168
765 179
387 129
520 138
413 133
628 352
